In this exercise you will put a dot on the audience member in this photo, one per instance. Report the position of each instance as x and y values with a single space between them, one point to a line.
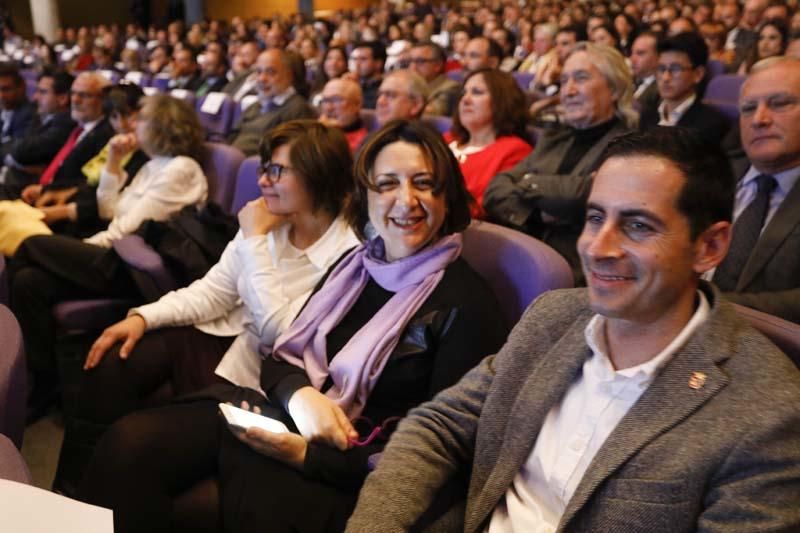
16 111
213 73
368 59
680 73
428 60
405 283
334 65
245 80
488 133
544 40
544 194
25 157
762 270
772 38
643 403
793 48
168 131
158 62
482 52
644 64
278 102
402 95
340 107
185 73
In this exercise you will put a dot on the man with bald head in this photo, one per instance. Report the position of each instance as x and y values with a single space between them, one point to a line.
90 135
278 102
402 94
340 107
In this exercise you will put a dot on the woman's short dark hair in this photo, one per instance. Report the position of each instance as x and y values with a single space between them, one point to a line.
122 99
509 112
319 155
445 168
172 127
708 193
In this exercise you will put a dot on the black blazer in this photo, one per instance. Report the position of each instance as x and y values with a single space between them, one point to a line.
43 140
20 121
708 121
70 173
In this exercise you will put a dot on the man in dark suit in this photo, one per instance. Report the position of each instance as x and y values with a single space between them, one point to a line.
16 111
278 101
84 142
25 158
545 193
680 72
644 63
214 68
643 403
763 269
185 71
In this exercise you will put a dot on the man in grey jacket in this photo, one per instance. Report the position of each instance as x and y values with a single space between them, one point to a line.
642 403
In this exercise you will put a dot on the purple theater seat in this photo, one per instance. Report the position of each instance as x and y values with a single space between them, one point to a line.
217 125
729 109
220 163
517 267
523 80
183 94
784 334
368 118
724 88
88 315
13 378
456 75
715 68
147 267
246 183
160 82
12 465
440 122
3 281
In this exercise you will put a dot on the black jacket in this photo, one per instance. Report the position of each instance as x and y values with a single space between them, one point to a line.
708 121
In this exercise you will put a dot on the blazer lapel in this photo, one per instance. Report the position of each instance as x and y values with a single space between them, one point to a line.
786 218
543 388
667 402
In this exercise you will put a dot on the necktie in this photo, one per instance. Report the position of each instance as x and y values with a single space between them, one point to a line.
50 172
746 231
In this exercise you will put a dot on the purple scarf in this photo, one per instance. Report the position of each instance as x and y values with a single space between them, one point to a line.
358 365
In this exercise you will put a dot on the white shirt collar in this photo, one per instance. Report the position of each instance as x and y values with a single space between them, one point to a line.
281 98
596 340
676 113
337 236
786 179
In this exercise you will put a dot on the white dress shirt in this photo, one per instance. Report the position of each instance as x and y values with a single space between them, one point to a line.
163 186
576 429
672 118
254 292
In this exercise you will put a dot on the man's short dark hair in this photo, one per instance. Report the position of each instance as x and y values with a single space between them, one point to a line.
495 50
377 47
689 43
9 70
62 80
576 29
708 193
438 52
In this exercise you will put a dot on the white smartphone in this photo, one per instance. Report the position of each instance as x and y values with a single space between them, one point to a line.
243 419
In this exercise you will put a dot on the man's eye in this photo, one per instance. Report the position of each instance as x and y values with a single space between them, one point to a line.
594 219
638 227
781 103
747 108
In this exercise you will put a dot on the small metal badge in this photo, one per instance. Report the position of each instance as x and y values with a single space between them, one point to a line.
697 380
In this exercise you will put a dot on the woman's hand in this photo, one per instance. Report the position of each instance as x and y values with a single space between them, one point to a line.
320 420
55 197
31 193
54 213
289 448
129 331
255 218
119 146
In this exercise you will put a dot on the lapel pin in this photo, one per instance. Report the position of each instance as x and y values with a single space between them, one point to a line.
697 380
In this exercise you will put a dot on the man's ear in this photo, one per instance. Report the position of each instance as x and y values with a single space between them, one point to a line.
699 73
711 246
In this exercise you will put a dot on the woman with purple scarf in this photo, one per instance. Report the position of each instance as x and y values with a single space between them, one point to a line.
397 320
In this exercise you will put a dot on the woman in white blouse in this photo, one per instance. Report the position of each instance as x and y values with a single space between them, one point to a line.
52 268
288 239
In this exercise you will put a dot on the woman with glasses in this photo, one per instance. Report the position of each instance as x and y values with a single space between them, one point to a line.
488 133
398 319
288 239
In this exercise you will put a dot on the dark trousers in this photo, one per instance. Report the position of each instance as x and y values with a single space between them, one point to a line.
48 269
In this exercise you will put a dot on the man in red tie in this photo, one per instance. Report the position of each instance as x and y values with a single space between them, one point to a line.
90 135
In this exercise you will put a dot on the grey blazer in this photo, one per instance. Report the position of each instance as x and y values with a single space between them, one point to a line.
724 457
770 280
247 133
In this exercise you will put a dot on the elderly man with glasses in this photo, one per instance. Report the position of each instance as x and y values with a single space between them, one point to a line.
428 60
340 107
402 94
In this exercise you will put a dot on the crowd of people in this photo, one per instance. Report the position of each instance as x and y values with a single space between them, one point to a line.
639 401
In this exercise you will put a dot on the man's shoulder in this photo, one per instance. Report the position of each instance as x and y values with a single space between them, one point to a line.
556 310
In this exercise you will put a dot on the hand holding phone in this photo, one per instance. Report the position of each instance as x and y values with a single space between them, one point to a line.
243 419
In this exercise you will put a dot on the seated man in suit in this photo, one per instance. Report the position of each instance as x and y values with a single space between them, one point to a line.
245 80
679 75
185 72
91 134
644 63
763 268
278 102
25 157
643 403
16 111
428 60
544 194
215 65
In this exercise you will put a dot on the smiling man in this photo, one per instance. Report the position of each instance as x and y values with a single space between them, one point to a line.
763 269
544 194
643 403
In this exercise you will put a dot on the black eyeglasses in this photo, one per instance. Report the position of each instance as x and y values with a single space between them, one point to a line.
274 171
